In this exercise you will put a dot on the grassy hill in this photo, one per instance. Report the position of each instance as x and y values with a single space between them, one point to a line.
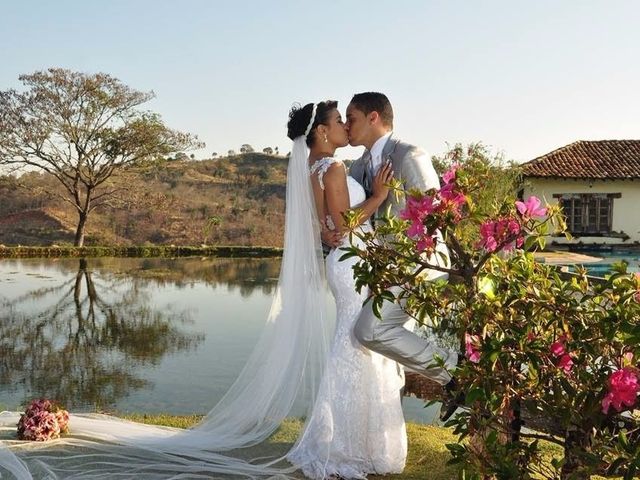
236 200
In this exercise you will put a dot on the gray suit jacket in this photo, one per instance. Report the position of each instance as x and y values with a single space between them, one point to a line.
414 169
410 165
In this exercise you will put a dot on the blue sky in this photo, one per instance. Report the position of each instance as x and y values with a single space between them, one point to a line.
525 77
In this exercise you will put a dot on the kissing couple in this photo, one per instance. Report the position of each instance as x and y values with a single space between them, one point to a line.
348 376
357 425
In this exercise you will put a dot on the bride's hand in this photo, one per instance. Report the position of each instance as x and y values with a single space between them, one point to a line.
332 238
380 187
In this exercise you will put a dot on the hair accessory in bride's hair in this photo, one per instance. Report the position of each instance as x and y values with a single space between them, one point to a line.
313 119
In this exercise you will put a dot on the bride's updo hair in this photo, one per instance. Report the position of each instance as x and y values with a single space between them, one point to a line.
299 118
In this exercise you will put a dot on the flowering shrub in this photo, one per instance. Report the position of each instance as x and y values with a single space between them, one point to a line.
43 420
536 342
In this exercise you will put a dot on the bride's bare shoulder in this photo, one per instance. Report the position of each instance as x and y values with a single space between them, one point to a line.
328 169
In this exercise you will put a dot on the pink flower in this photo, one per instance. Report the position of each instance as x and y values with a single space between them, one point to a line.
415 211
425 243
487 235
40 427
417 208
512 228
38 405
451 201
450 175
470 345
416 229
503 231
42 420
531 208
62 416
623 390
557 348
566 363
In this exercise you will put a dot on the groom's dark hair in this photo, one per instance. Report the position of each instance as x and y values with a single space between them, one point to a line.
368 102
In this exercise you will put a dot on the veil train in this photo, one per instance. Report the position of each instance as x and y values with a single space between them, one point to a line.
287 362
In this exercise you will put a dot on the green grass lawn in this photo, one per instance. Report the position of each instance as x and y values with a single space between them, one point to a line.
427 457
427 452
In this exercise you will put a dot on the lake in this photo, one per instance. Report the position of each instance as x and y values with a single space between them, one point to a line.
134 335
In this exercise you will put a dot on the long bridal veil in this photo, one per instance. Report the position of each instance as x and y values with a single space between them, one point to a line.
285 365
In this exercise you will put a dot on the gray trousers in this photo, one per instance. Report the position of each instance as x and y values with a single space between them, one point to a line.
389 337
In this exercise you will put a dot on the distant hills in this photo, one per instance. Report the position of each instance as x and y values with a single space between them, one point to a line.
234 200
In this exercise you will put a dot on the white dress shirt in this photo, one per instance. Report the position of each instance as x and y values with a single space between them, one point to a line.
376 152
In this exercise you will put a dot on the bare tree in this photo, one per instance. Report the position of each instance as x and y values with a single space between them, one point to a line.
82 129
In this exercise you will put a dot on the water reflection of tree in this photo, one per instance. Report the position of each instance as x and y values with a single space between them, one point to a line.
244 274
84 347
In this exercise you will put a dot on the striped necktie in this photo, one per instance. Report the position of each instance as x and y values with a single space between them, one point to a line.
367 181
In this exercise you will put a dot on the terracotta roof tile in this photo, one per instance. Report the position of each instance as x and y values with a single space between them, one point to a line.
618 159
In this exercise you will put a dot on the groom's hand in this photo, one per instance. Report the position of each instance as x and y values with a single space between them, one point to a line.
331 238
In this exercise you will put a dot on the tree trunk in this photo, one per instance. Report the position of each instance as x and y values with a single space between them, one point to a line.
574 440
77 292
82 220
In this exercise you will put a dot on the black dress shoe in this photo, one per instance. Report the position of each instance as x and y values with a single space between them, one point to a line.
451 401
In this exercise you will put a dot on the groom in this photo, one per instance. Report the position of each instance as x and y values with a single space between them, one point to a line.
370 124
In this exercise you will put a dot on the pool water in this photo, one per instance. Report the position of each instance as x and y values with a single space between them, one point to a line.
603 267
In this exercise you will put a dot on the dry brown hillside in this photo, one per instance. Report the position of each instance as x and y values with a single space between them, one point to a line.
236 200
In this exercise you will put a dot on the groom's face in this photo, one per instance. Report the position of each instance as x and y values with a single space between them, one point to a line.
357 126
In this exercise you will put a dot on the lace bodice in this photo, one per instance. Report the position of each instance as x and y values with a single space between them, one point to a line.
320 167
357 194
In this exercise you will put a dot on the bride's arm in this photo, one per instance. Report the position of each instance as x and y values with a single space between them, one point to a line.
337 194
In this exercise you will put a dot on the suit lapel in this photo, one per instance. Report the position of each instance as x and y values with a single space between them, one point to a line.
388 152
357 170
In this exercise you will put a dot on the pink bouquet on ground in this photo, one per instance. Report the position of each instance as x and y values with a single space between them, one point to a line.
43 420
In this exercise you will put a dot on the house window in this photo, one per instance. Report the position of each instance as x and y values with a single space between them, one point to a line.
588 213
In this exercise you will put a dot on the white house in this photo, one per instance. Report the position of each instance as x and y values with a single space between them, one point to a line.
598 185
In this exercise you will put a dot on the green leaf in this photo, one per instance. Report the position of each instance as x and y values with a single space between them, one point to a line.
474 395
375 306
493 356
542 242
530 241
622 438
612 469
349 254
487 287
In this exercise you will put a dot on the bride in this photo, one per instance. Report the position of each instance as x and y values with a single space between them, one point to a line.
354 420
357 425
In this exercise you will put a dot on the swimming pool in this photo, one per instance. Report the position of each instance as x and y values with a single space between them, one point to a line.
603 267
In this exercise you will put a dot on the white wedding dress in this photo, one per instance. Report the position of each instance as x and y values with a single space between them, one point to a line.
357 425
